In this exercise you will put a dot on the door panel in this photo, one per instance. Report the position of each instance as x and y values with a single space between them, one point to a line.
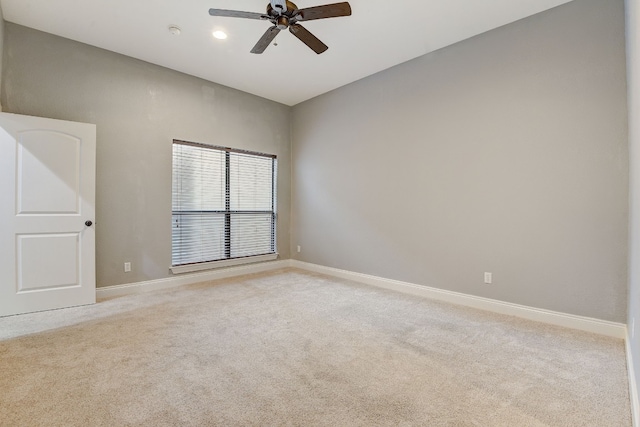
47 261
47 191
48 173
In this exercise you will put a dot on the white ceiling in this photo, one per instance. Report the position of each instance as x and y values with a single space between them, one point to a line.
378 35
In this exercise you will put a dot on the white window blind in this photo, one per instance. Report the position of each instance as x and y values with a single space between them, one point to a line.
223 204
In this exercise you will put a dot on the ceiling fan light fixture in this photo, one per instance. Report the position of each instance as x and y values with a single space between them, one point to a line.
220 35
282 22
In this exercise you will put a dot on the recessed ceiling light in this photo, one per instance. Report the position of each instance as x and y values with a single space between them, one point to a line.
220 35
175 30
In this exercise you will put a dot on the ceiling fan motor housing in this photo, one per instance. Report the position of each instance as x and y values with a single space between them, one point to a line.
281 7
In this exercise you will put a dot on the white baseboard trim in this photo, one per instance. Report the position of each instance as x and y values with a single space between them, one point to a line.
602 327
189 278
633 386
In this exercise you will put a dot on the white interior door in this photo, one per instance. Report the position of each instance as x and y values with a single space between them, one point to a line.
47 208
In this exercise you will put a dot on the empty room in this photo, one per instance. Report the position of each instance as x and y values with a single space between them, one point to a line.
268 213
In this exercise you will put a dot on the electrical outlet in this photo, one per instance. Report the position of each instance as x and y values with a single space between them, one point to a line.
488 277
299 248
127 267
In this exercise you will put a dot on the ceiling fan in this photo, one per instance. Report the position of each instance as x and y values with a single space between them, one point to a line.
284 14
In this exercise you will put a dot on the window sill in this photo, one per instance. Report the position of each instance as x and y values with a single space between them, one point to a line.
179 269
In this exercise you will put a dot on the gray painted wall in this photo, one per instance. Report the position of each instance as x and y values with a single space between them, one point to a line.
633 81
1 49
504 153
139 109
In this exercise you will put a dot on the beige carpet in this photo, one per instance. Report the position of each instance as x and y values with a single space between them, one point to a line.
296 349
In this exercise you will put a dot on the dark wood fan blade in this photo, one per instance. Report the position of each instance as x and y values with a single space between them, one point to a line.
307 38
265 40
326 11
237 14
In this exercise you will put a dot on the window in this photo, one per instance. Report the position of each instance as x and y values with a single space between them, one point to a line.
223 206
